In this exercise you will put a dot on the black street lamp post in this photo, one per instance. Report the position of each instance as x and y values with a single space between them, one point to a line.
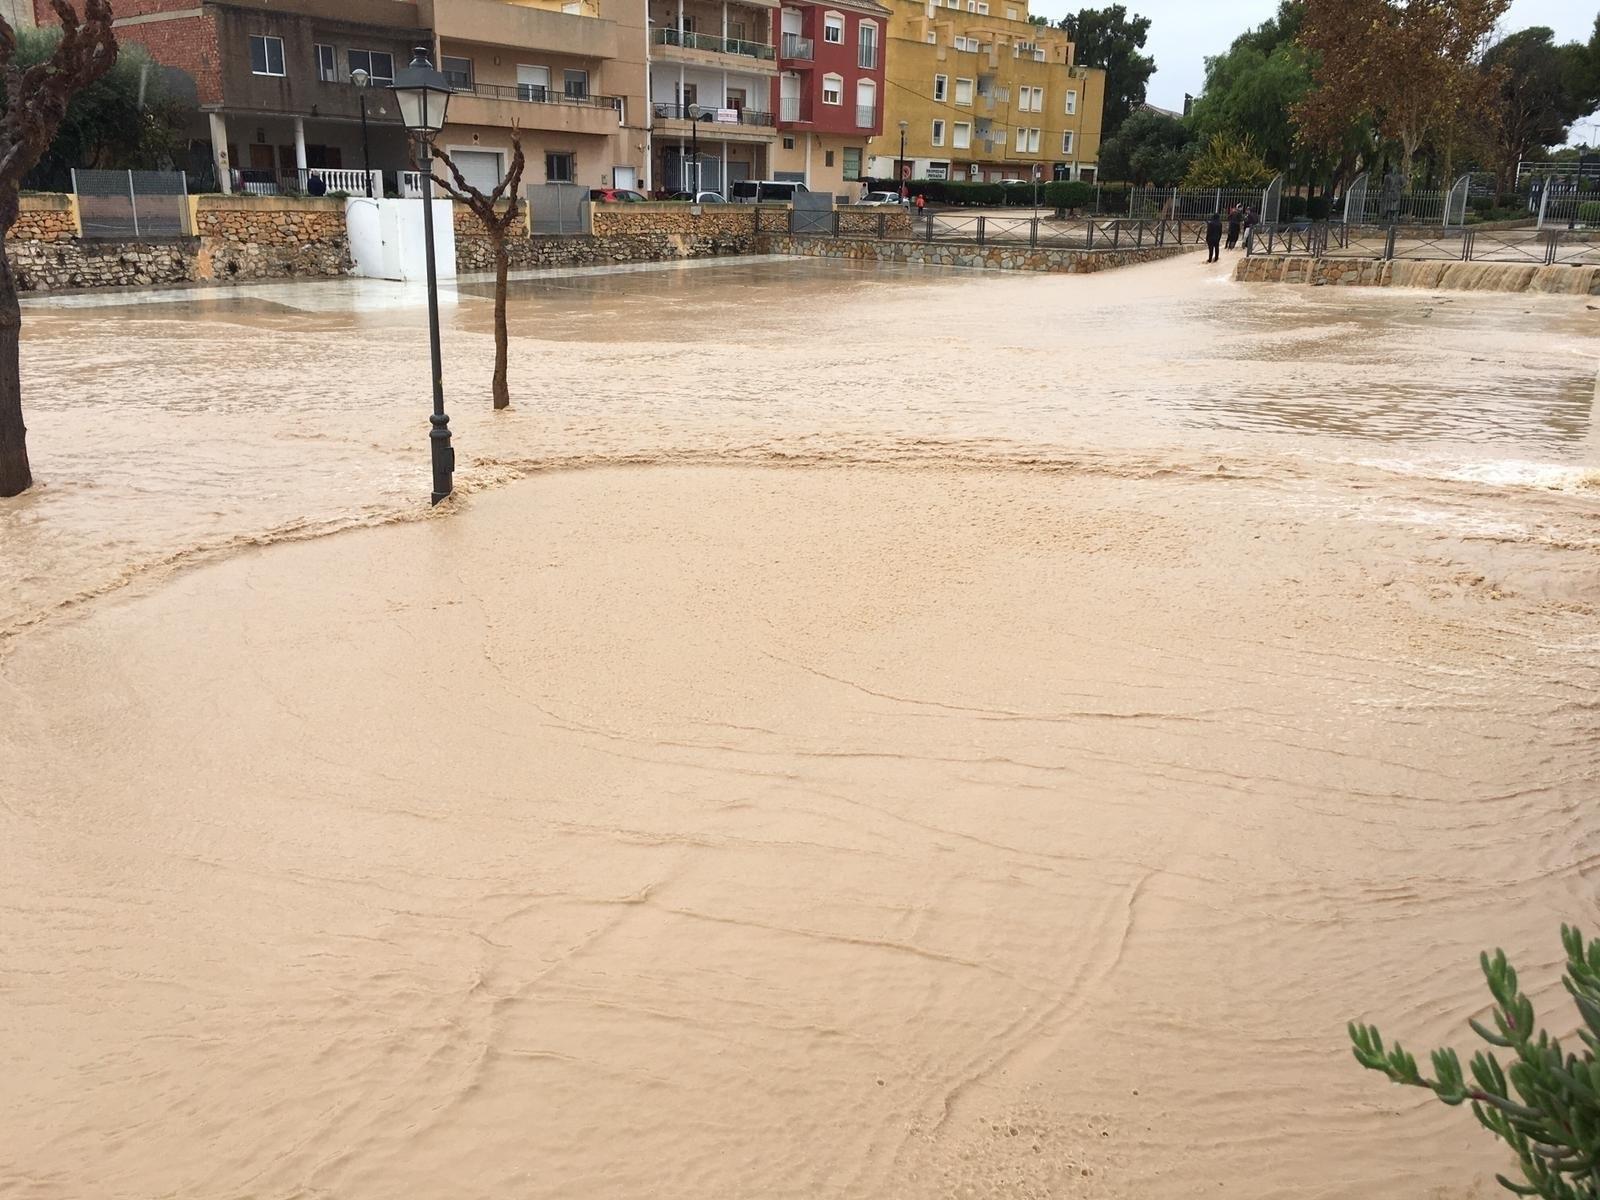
693 113
362 80
423 95
900 166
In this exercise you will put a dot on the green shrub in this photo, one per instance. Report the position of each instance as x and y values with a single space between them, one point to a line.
1589 212
1553 1123
1067 194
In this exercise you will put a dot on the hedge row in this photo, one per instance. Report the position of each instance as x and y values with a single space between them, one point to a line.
1062 194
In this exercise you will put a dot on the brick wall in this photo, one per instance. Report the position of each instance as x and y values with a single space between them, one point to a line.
187 42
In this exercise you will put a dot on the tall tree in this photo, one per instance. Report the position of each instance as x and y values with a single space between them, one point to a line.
129 117
1151 147
1252 87
1536 94
1400 62
1110 39
36 99
497 222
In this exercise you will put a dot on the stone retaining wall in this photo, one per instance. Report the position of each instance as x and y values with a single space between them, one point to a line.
46 217
474 254
70 263
270 237
989 258
1371 272
726 220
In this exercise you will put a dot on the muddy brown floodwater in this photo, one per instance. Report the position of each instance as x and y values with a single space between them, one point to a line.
856 734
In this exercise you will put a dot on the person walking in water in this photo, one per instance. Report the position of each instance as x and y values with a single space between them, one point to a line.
1235 217
1214 237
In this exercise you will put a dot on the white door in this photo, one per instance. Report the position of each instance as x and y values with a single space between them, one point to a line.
533 83
625 177
480 168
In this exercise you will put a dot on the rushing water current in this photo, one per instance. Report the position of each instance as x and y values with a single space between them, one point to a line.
858 733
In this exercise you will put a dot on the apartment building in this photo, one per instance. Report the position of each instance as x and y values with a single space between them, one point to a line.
712 67
276 82
829 92
986 96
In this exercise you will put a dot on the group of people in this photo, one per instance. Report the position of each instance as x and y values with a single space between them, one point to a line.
1238 217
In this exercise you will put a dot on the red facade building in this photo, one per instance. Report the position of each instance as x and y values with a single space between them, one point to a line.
829 92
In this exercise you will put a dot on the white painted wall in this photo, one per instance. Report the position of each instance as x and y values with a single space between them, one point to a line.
387 239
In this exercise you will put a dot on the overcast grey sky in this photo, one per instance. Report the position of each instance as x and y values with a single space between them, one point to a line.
1183 32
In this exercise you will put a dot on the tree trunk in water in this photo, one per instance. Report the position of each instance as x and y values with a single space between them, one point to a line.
15 477
502 264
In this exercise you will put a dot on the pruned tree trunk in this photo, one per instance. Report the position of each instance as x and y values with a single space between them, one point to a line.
15 475
502 268
36 104
497 225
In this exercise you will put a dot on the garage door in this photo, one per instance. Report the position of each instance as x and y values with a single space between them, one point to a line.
480 167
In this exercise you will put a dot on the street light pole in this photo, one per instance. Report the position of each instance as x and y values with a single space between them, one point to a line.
693 113
900 166
424 95
361 79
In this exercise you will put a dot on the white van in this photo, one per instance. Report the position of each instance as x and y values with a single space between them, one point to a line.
754 191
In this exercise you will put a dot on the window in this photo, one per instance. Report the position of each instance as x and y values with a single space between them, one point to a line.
827 158
458 71
788 143
1033 140
1072 103
852 162
376 63
867 57
559 168
938 133
1066 142
963 136
576 83
963 91
266 55
1011 14
327 68
983 8
833 89
1022 138
941 88
833 29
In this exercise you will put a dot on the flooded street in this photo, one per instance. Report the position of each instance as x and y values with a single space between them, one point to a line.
855 734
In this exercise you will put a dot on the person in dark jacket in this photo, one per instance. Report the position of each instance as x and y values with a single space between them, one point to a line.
1235 219
1214 237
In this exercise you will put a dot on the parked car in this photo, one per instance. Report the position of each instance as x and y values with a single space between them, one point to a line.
698 197
614 195
754 191
879 198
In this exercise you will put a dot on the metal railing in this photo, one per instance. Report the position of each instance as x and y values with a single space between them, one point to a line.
793 108
795 46
866 116
1426 243
1041 232
535 93
714 44
707 115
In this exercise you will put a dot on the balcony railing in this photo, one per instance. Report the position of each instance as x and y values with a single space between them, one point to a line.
866 116
534 93
268 182
707 115
793 108
867 59
716 45
795 46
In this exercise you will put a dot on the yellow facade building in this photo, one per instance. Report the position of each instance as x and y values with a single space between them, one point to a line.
985 96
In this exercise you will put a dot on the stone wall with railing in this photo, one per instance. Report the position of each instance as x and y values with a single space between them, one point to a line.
270 237
45 217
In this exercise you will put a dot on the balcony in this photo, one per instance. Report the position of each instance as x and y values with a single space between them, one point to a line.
491 23
795 46
712 121
709 49
530 106
793 110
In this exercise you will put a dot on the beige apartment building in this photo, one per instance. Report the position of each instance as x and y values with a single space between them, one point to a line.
568 75
986 96
276 82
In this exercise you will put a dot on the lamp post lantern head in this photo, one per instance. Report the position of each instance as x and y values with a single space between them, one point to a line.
904 125
360 78
423 95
